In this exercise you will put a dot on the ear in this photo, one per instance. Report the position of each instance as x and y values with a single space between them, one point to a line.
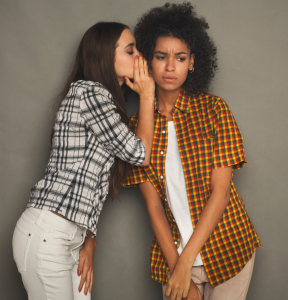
191 63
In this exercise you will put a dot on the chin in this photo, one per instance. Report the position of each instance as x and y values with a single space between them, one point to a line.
169 86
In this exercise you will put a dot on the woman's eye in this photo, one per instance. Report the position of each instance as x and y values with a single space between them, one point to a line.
160 57
181 58
130 52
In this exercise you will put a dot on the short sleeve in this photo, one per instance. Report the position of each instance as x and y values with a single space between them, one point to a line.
228 140
137 174
99 113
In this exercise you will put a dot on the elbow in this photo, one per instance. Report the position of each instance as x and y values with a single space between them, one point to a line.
226 197
146 161
223 195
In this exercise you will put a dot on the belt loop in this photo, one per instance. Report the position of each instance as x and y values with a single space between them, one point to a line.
39 218
72 235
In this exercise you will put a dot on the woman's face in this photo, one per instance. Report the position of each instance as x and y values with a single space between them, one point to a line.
171 62
125 55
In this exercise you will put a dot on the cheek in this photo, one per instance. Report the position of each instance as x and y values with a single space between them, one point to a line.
183 72
124 66
156 70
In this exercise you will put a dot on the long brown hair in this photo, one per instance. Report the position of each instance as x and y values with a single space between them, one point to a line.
95 62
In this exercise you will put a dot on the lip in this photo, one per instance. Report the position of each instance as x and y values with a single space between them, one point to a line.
169 78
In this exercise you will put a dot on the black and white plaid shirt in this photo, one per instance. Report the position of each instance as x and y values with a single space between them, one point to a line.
88 134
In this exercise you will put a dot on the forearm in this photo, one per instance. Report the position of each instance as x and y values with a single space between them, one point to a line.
208 220
210 216
145 128
159 223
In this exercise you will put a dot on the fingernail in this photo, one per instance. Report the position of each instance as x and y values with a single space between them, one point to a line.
137 56
79 273
140 54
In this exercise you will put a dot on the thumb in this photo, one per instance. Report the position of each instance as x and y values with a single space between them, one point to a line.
128 82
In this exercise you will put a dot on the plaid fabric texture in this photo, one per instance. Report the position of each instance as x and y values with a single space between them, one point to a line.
208 138
88 134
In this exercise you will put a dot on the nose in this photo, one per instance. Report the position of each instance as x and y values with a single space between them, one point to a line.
136 52
170 65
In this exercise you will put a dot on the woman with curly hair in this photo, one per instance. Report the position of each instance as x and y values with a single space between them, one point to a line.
204 245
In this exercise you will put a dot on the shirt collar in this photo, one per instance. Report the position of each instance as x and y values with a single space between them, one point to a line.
182 103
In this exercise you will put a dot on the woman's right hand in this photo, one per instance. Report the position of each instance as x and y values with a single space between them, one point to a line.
143 83
193 293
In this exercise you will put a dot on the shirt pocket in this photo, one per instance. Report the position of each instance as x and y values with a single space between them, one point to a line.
21 243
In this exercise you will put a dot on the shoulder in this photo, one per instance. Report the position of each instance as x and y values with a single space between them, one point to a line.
90 88
208 103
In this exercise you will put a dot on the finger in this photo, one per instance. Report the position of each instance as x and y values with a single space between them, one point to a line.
128 82
136 69
80 266
91 282
87 284
83 278
168 291
185 294
173 294
179 295
141 66
145 64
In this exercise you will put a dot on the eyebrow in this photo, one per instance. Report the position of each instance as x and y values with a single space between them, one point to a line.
164 53
131 44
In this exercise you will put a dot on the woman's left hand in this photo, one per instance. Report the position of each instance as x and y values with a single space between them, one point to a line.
86 264
179 282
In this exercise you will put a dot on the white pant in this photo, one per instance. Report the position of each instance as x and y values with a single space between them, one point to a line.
46 251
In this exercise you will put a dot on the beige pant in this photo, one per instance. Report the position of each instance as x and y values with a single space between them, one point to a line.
235 288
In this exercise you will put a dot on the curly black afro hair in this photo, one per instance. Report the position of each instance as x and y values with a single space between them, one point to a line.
180 21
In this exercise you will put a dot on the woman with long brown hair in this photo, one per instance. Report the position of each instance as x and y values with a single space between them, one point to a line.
54 239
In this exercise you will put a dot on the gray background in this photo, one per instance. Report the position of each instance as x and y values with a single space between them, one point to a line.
38 42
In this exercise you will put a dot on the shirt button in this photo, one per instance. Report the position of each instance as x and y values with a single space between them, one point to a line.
175 242
173 220
166 199
162 152
163 131
161 177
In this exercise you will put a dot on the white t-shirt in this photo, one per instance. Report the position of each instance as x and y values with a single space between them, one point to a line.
176 191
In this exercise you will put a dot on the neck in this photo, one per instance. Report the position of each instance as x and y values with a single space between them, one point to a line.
167 98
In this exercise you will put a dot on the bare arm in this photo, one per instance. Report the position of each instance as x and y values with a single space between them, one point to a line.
159 223
144 85
179 282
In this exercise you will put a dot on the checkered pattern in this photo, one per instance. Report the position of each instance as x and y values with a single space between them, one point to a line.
208 138
88 134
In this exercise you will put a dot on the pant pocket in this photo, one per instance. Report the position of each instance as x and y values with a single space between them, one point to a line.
76 249
20 243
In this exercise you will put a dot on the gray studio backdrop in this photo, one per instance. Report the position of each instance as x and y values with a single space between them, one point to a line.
38 40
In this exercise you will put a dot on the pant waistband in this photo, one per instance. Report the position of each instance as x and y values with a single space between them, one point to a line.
46 218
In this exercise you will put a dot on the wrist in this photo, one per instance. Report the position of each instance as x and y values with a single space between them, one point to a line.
186 260
90 242
147 98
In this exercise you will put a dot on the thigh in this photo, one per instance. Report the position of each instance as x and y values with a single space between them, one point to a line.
235 288
76 281
45 259
56 259
25 245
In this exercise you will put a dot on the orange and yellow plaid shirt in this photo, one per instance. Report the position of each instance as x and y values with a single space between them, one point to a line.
208 138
